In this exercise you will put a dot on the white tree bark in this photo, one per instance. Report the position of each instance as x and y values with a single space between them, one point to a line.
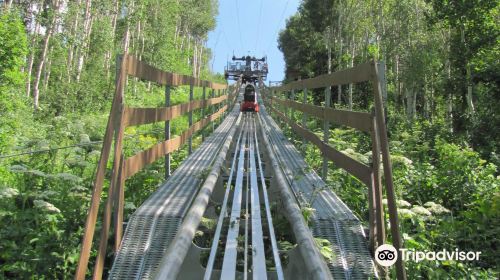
47 68
411 96
71 48
470 104
48 33
31 58
87 24
351 86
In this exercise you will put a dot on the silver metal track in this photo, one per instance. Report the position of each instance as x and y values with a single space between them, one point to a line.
258 253
274 244
230 253
247 167
223 214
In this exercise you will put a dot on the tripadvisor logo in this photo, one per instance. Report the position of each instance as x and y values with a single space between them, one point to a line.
387 255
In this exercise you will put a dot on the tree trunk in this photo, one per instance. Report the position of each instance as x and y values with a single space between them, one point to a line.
449 98
31 58
47 67
87 24
72 47
339 34
410 102
48 33
470 104
195 57
339 97
351 86
7 4
431 101
109 52
176 34
398 83
426 107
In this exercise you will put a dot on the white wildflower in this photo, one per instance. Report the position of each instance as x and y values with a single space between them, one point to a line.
84 138
421 211
401 159
405 213
129 206
8 193
403 203
44 205
436 208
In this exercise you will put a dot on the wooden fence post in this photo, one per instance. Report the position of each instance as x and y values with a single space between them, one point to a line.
90 223
204 97
377 185
326 131
115 185
119 205
292 97
304 115
384 145
212 110
167 132
191 97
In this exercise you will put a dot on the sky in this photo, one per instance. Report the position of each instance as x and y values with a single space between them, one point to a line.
250 27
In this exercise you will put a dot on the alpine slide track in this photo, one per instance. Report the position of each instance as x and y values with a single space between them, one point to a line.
247 177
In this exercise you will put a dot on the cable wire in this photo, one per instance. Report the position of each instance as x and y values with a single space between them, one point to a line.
277 27
52 149
214 50
238 21
258 26
59 148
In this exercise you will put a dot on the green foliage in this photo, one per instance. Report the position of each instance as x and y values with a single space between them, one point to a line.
12 53
44 196
442 112
325 248
13 49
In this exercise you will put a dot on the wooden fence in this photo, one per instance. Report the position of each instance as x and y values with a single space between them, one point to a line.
372 123
122 116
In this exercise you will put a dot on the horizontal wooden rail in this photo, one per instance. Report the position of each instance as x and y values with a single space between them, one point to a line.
144 71
360 73
135 163
356 168
138 116
358 120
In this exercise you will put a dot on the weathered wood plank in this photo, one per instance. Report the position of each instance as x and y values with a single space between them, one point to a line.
356 168
144 71
138 116
358 120
360 73
138 161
